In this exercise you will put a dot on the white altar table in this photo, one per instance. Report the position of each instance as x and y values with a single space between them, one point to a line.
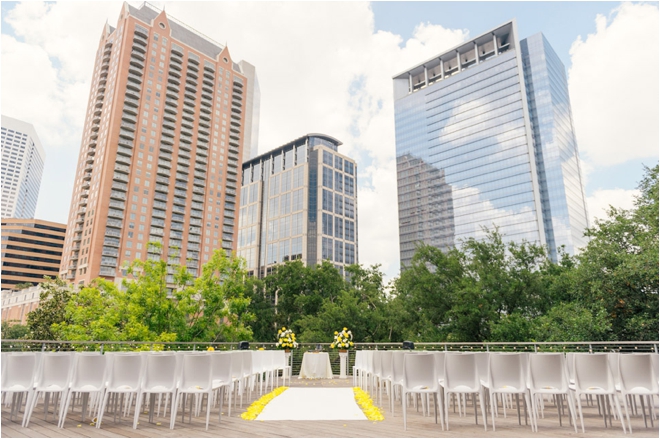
315 366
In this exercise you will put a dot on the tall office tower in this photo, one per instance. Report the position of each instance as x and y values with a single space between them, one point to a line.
298 201
162 145
564 205
22 166
31 249
493 118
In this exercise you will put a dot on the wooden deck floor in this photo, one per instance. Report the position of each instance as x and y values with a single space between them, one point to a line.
392 426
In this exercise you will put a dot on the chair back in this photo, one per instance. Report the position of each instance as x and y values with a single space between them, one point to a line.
461 370
221 367
570 365
126 371
506 371
482 365
386 364
370 361
548 371
279 359
440 364
419 372
196 372
256 362
55 370
247 363
397 366
636 372
613 360
376 362
359 355
89 372
161 371
20 371
592 371
236 364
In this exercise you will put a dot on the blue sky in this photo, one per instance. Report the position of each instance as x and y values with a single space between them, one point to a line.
327 67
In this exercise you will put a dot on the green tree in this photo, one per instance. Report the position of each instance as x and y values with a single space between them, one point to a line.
618 270
53 299
12 330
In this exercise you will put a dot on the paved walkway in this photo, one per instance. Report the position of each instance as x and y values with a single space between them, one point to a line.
392 426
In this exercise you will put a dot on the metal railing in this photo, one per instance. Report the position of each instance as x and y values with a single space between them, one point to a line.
295 359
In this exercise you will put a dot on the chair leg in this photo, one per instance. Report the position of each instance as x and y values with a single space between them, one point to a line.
579 404
615 400
403 398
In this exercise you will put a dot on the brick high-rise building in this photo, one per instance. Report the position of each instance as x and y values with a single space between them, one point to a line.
168 118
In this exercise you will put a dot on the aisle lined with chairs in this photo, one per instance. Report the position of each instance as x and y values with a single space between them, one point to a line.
420 393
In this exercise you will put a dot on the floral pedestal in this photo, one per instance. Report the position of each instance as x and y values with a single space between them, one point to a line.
343 360
287 360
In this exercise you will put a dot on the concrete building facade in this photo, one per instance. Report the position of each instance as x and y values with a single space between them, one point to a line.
31 249
299 201
23 160
163 141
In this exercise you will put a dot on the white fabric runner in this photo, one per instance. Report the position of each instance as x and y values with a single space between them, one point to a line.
302 404
315 366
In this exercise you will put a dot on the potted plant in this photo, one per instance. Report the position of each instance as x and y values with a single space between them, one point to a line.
286 339
343 340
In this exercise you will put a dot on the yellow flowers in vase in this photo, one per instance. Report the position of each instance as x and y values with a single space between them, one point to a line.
286 339
343 340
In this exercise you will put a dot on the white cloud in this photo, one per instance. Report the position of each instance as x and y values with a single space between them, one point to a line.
601 200
322 67
613 84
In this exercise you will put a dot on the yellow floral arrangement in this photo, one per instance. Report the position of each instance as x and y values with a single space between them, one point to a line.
286 339
370 410
256 407
343 340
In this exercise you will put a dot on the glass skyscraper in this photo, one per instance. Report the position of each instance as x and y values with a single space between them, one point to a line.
484 139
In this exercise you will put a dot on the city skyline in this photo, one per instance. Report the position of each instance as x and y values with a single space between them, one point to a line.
350 73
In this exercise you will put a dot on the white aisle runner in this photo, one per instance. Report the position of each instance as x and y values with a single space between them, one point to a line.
302 404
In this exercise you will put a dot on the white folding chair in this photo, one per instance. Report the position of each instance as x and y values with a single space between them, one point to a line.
196 379
53 379
506 376
18 378
637 378
359 356
160 377
397 375
593 377
419 377
89 378
385 375
125 376
462 377
221 377
548 375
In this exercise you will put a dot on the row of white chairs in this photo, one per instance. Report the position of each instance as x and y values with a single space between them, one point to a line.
574 376
131 377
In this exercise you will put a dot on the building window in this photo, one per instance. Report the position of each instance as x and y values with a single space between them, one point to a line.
339 182
326 249
327 224
339 228
339 251
327 177
327 200
327 158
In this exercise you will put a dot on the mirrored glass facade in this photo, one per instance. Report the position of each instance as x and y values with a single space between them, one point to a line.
557 161
466 156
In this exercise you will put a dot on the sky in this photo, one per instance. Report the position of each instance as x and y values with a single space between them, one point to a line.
327 67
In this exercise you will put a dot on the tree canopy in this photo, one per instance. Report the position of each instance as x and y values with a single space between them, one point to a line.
484 290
